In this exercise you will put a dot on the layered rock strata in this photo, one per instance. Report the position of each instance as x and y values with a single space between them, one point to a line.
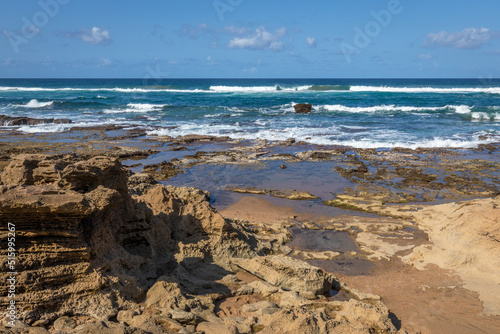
97 251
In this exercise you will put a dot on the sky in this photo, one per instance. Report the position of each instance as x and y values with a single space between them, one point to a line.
249 39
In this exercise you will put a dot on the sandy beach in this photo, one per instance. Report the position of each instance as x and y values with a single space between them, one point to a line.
283 235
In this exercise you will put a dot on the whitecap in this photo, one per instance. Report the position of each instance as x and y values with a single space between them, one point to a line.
455 90
34 103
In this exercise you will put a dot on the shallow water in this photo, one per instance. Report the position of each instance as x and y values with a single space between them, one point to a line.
349 262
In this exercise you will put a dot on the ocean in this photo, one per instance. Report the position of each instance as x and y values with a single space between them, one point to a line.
365 113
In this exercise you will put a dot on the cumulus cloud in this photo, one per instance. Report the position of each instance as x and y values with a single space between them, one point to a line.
92 36
469 38
235 30
261 39
97 36
311 42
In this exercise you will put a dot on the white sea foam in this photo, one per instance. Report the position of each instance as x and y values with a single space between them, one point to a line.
263 89
256 89
461 109
34 104
480 116
45 128
136 108
119 90
457 90
379 138
146 106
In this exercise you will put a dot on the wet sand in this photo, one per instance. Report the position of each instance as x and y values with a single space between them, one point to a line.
426 301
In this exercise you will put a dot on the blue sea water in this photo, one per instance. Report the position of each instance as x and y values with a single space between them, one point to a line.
375 113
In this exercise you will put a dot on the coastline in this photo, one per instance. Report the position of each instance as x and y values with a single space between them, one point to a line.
384 202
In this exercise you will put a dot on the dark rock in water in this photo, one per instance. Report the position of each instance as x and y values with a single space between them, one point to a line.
16 121
302 108
193 138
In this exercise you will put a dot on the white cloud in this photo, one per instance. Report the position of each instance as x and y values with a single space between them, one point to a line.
470 38
250 70
105 62
96 36
311 41
261 39
424 56
235 30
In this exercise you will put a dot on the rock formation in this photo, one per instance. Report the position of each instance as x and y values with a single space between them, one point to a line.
97 252
16 121
302 108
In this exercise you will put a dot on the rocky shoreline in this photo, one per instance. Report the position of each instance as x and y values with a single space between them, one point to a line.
104 248
93 258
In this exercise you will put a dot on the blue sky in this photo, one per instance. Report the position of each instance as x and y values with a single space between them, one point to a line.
249 38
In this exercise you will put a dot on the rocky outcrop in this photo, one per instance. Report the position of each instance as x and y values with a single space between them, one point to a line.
79 231
289 274
16 121
291 194
303 108
97 251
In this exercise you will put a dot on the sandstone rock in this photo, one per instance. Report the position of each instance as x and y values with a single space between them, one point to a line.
265 307
188 330
288 273
64 323
89 248
107 328
7 322
302 108
184 317
291 299
82 232
125 316
328 318
152 323
187 139
264 288
23 330
169 324
139 183
38 330
217 328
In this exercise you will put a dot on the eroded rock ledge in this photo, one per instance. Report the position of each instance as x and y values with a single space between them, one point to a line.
99 252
